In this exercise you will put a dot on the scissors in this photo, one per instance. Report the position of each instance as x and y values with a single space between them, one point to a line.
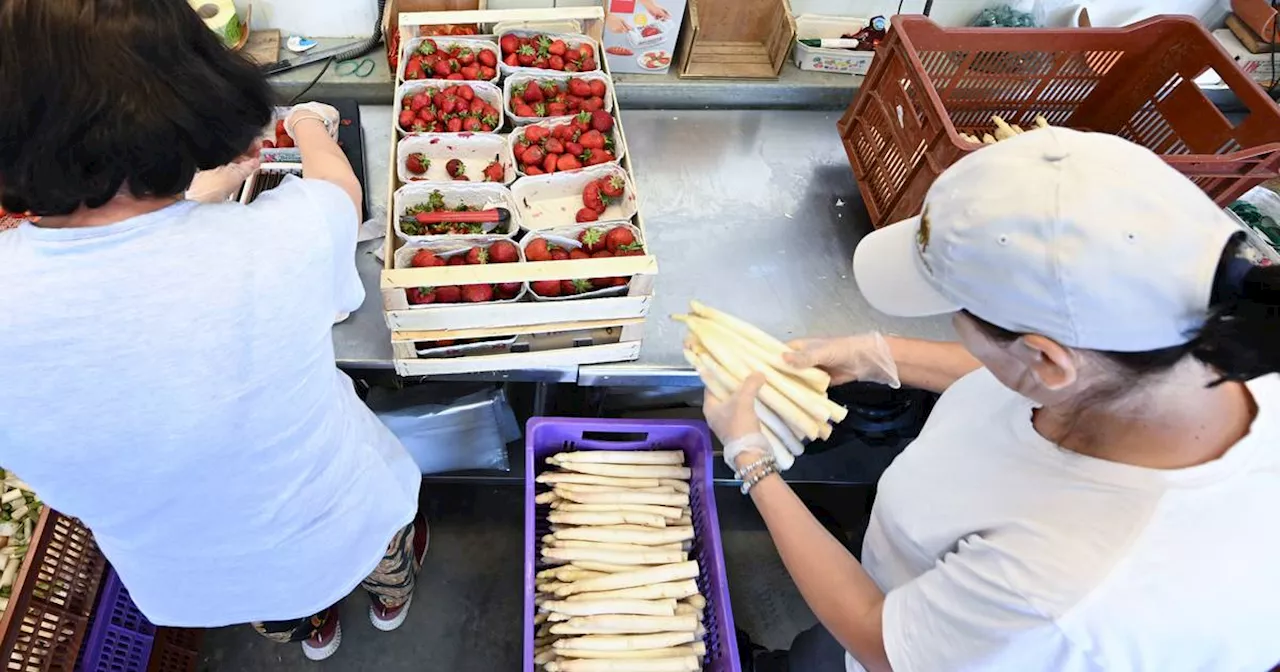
361 68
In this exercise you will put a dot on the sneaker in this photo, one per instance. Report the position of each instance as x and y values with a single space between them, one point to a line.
325 642
386 619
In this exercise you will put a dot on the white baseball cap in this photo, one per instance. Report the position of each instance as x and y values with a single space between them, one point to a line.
1085 238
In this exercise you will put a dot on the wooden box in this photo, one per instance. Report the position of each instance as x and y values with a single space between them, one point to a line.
546 334
737 38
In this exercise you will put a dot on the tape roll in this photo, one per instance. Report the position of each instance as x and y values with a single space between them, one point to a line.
221 17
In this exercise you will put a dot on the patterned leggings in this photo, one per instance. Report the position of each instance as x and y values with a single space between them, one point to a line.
391 584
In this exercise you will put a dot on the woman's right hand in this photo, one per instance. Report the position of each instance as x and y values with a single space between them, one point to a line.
865 357
325 114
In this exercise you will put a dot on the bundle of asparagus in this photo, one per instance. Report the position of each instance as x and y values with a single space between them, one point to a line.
1003 131
19 510
793 406
620 594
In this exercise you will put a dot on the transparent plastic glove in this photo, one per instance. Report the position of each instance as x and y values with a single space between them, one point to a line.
742 452
735 417
221 183
326 114
865 357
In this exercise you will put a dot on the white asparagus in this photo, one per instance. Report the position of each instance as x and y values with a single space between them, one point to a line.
579 487
1003 130
624 624
546 498
557 617
660 499
670 457
589 479
782 454
550 586
19 513
686 609
1041 122
646 538
640 577
614 557
10 496
542 616
629 470
545 656
987 139
571 574
697 601
1017 129
605 567
609 546
679 664
10 572
604 518
703 361
680 486
807 423
813 377
683 521
664 511
697 649
625 642
658 591
665 607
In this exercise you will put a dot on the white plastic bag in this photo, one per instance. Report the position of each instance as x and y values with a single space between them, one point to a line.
444 432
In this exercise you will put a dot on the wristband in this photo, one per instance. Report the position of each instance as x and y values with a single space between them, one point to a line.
768 470
749 442
744 472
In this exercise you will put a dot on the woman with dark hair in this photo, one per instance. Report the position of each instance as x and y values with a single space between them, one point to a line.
1097 487
167 366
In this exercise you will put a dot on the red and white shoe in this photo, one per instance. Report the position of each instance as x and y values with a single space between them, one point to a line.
386 619
324 643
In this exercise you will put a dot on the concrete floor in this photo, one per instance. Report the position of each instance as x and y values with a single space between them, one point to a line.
466 615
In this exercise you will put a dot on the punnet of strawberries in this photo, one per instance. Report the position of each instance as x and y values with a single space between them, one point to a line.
452 109
433 61
584 140
596 243
556 98
599 194
435 203
547 52
498 252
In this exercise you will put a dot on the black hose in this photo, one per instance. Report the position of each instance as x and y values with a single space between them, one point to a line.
354 52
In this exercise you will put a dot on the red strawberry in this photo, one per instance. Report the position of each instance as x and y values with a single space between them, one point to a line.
587 215
557 109
579 87
470 72
589 64
549 163
466 57
618 238
613 186
598 88
441 69
534 156
419 100
532 94
509 43
555 62
494 172
591 197
503 252
534 170
448 294
559 254
454 125
455 168
477 107
508 290
568 162
488 72
602 254
466 93
582 121
477 293
593 104
525 55
423 259
487 59
414 70
522 109
592 239
579 253
407 117
572 287
428 47
553 146
557 47
511 60
473 125
535 134
592 139
573 148
459 260
284 142
570 66
417 164
537 250
477 255
268 144
585 53
545 287
420 295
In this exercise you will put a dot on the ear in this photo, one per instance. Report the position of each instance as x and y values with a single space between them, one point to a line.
1051 363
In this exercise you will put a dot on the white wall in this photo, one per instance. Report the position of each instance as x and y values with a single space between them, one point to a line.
959 12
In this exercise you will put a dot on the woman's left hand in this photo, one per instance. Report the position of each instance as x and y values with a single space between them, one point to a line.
219 184
734 419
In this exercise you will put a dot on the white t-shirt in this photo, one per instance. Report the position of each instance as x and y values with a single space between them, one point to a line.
998 550
170 380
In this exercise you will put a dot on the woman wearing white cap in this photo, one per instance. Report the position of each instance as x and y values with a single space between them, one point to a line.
1097 488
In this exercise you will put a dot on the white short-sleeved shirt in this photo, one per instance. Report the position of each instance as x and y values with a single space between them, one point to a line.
999 551
170 380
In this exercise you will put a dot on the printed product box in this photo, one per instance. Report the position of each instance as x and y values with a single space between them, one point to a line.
640 35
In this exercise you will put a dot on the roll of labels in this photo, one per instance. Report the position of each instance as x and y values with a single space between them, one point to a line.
221 17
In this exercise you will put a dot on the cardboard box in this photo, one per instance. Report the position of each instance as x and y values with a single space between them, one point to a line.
640 35
1257 66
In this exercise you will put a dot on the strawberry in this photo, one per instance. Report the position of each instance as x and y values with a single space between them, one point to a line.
557 47
579 87
284 142
573 287
454 125
549 163
511 60
488 72
414 70
534 156
553 146
535 134
407 117
477 107
507 290
503 252
602 254
579 253
525 55
593 104
541 62
587 215
419 100
583 121
441 69
557 109
423 259
522 109
539 110
472 125
613 186
570 66
592 139
460 260
573 148
598 89
448 294
592 239
550 89
487 59
589 64
568 162
617 238
455 168
420 295
555 62
470 72
592 199
533 94
477 293
280 129
477 255
545 287
559 254
494 172
602 121
466 93
537 250
509 43
466 57
534 170
428 47
268 144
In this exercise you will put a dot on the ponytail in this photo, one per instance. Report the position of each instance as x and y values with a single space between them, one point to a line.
1241 338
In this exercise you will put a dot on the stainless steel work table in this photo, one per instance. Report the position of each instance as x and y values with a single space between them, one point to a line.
752 211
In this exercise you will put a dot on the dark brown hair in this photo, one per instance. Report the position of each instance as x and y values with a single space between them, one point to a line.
101 95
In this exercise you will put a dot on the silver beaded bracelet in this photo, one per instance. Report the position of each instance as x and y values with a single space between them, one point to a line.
742 473
769 468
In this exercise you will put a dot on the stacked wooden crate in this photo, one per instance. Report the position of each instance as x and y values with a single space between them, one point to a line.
530 332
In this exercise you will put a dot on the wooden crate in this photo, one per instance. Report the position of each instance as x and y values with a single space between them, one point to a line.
550 334
736 38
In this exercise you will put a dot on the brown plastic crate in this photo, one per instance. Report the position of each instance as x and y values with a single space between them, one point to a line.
175 650
928 83
53 597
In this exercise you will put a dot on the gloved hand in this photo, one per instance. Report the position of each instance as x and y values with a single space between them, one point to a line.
865 357
734 421
325 113
221 183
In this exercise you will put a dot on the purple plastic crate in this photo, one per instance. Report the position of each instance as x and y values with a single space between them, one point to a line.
121 637
546 436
